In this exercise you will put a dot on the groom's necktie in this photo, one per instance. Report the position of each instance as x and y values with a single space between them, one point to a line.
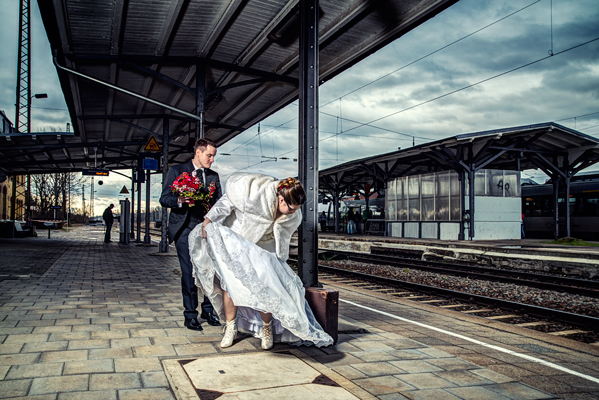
202 175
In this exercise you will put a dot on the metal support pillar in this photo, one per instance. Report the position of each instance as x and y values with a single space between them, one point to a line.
567 204
567 176
555 179
462 178
163 248
471 202
308 141
13 199
148 185
200 98
336 210
28 202
132 234
138 174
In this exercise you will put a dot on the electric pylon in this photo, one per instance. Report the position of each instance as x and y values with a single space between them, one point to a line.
22 112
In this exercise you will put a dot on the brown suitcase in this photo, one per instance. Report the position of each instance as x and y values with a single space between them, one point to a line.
325 306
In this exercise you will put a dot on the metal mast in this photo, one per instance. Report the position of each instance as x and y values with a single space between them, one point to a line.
22 114
23 108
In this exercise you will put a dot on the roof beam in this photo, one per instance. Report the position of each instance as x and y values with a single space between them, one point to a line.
262 39
339 23
156 74
118 26
219 25
117 145
181 61
86 160
421 13
136 116
169 27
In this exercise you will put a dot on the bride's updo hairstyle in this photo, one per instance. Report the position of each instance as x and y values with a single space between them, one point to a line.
292 191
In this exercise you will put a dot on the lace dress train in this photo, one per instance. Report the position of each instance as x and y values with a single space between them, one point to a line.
256 280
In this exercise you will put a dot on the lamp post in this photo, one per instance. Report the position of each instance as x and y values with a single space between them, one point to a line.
35 96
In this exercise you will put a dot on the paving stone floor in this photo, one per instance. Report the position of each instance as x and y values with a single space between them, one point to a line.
81 319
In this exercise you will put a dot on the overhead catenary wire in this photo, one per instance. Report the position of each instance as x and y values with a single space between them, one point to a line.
431 53
577 116
247 142
458 90
473 84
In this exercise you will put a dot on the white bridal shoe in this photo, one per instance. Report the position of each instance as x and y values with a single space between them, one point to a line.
267 336
230 334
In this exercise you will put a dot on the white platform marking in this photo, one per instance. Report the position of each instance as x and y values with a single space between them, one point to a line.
527 357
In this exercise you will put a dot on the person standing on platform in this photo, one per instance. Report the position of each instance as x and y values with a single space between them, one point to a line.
322 219
183 218
108 220
366 214
351 224
359 222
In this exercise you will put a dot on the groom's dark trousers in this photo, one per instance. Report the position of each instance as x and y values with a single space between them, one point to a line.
181 222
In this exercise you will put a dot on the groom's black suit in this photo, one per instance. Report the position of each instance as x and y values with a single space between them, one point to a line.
181 222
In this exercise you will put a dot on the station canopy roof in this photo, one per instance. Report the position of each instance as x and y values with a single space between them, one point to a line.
247 48
550 147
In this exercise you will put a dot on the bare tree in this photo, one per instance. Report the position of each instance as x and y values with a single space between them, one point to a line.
55 189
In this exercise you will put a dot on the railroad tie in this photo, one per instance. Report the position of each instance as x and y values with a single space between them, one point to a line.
536 323
477 311
569 332
508 316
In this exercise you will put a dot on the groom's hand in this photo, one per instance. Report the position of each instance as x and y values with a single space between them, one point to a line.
184 200
206 222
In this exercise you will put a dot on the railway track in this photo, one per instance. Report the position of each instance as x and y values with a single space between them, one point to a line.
550 282
554 322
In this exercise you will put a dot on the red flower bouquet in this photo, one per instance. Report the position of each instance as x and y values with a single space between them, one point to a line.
189 185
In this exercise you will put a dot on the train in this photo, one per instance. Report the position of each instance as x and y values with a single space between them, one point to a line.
538 208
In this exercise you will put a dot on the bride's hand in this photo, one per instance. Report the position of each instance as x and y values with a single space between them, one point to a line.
206 222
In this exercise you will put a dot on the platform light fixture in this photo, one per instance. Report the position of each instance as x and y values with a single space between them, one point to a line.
36 96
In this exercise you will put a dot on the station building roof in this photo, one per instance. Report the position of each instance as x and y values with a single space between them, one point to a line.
555 149
244 53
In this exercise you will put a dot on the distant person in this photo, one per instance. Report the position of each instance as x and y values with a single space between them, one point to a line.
351 224
322 219
522 226
366 215
108 220
359 222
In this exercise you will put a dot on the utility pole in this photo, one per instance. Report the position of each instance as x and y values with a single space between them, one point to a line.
91 200
83 203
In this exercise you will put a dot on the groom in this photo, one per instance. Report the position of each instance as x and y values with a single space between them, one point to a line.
183 219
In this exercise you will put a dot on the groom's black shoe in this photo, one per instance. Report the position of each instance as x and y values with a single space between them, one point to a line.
210 318
193 324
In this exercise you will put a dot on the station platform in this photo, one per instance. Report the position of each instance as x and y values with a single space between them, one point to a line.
81 319
525 254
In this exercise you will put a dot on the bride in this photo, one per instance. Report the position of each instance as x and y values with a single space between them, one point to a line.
239 255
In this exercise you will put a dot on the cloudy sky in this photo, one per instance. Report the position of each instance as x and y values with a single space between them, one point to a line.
449 76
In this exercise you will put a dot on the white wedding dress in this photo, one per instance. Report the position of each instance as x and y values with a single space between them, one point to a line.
256 280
